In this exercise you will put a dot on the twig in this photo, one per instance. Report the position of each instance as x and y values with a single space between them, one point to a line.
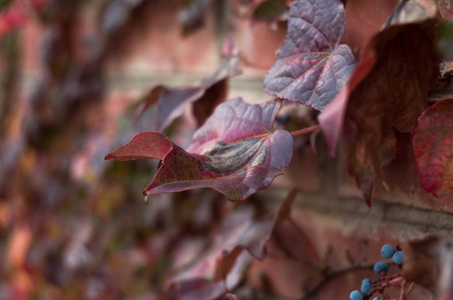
305 130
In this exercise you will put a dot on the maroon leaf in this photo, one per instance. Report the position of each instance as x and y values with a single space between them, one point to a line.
229 296
373 107
423 262
364 19
311 67
235 152
213 96
446 8
193 14
116 14
221 268
172 102
332 118
140 147
433 147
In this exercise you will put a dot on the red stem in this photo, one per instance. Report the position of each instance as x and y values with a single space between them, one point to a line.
305 130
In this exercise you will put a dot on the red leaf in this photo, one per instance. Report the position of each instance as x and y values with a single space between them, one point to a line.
446 9
374 106
222 267
235 153
423 262
140 147
116 15
364 19
171 102
13 18
213 96
192 15
229 296
311 67
433 147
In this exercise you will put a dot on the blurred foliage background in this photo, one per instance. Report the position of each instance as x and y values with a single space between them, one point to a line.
73 226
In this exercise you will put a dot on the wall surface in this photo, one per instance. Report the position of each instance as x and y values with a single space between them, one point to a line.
329 209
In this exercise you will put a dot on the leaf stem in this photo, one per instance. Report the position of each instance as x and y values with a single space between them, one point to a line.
305 130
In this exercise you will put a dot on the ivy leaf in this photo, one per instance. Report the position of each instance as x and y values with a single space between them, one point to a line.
229 296
243 236
446 9
116 15
235 152
172 102
311 68
374 107
192 15
433 148
364 19
423 262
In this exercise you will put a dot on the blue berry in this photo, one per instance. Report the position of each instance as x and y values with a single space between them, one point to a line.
377 298
365 288
380 267
398 257
387 251
356 295
366 280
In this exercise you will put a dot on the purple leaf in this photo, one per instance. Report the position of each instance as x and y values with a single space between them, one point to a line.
373 107
221 268
192 15
172 102
311 67
235 152
140 147
433 147
229 296
446 9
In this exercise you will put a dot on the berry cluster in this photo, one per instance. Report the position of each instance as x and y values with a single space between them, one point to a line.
369 287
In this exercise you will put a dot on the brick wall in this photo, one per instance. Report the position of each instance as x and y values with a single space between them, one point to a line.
329 209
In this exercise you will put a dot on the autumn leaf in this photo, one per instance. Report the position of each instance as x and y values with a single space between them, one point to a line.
14 17
433 148
116 15
192 15
172 102
243 236
374 106
446 9
364 19
235 152
311 67
229 296
423 262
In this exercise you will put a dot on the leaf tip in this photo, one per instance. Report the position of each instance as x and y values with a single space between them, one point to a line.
145 194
